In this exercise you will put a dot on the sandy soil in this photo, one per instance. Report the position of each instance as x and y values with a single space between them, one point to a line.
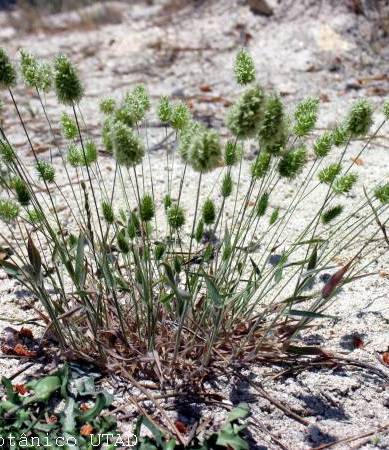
300 50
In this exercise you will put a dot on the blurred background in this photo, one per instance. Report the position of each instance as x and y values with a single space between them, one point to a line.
335 49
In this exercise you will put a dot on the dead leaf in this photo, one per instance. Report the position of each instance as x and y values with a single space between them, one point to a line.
22 350
385 358
358 161
181 427
84 407
26 332
358 342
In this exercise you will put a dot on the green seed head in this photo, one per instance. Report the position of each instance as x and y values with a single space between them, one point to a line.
292 162
382 193
331 213
344 184
245 116
106 134
35 216
7 71
205 151
262 204
108 105
67 83
159 251
261 165
7 153
167 201
165 110
9 210
244 68
209 212
35 74
273 118
175 217
22 193
90 152
137 103
199 232
128 148
360 118
133 226
75 156
68 127
45 171
323 144
340 135
306 116
227 185
185 138
329 173
180 116
385 110
122 241
147 209
232 153
108 213
274 216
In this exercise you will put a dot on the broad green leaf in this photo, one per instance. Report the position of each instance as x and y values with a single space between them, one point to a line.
239 412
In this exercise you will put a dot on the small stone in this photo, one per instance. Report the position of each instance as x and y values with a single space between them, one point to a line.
260 7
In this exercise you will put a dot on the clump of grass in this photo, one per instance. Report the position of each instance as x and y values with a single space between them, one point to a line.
134 271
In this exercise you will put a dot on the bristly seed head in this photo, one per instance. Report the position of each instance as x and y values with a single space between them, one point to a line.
68 127
35 73
180 116
108 213
344 184
331 213
128 148
385 110
7 71
165 110
9 210
147 209
35 216
272 132
175 217
67 83
292 162
262 204
21 189
261 165
340 135
227 185
137 103
45 171
323 144
360 118
122 241
232 153
245 116
274 216
329 173
108 105
205 151
306 116
382 193
7 153
186 136
244 68
209 212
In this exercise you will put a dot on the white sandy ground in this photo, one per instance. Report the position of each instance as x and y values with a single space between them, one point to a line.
338 402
